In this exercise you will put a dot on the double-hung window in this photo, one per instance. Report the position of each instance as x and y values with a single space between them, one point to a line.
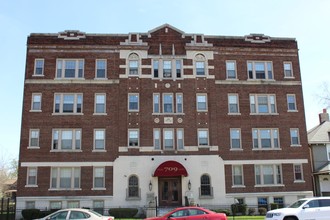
260 70
288 70
31 176
133 102
39 67
235 138
169 138
201 102
298 172
203 137
237 175
231 69
179 139
206 188
99 103
168 135
34 138
67 178
266 138
36 102
263 104
133 64
294 135
68 103
99 139
99 178
66 139
133 137
167 69
171 103
133 187
70 68
200 65
168 103
155 68
157 139
233 106
291 100
268 174
101 69
179 103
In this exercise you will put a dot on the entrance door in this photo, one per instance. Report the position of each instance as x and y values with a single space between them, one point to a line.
170 191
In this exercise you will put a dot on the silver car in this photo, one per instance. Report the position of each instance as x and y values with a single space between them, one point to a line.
75 213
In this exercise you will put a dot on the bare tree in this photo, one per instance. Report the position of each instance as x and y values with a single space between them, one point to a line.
324 95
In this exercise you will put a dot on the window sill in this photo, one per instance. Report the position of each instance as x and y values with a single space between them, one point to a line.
270 185
236 149
299 181
100 79
37 75
295 145
133 198
266 149
292 110
232 79
70 114
238 186
99 151
66 151
32 110
98 189
264 113
234 113
31 186
289 77
167 113
102 114
65 189
33 148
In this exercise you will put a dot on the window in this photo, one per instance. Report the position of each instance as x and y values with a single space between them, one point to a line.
99 177
231 69
156 102
291 99
263 202
133 137
133 186
260 70
167 69
34 138
169 138
66 139
179 104
298 172
36 102
99 139
200 65
70 68
201 100
99 103
39 67
265 138
328 152
294 135
101 66
167 103
68 103
233 103
205 189
288 70
263 104
31 176
98 206
30 205
73 204
237 175
235 138
203 137
67 178
58 205
279 201
133 102
133 64
268 174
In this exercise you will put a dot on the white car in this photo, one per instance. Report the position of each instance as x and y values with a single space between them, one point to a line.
75 213
317 208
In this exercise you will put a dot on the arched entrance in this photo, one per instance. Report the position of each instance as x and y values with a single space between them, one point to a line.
169 176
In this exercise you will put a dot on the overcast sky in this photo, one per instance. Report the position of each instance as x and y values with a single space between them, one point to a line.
307 21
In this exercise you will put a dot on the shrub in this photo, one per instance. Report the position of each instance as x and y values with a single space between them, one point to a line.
262 211
123 212
29 214
238 209
251 211
273 206
226 211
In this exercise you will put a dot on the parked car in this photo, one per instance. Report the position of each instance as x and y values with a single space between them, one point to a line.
75 213
317 208
191 213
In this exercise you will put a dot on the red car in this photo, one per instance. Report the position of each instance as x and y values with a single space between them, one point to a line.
191 213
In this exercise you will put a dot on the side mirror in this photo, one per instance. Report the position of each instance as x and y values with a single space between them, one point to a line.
306 206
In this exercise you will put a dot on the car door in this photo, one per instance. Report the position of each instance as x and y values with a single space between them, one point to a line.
324 212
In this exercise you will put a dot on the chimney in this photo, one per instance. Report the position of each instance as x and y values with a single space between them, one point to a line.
324 116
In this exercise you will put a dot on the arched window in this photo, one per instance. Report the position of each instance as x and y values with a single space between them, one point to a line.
133 186
200 65
133 64
206 189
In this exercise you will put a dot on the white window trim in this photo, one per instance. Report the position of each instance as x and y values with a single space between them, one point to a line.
240 139
206 102
159 139
262 184
271 139
231 61
256 103
94 139
295 102
302 174
208 137
105 104
32 101
237 98
173 68
133 56
27 177
290 63
128 137
254 69
96 68
75 103
298 136
177 138
63 60
159 103
30 136
138 102
176 102
173 139
35 67
200 57
172 103
98 188
60 130
233 177
58 179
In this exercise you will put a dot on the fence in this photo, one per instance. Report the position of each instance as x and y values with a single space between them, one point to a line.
7 209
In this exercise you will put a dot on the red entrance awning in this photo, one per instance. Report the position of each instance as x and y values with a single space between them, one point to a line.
170 168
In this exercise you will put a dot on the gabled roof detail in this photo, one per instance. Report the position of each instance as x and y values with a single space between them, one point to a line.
165 26
319 134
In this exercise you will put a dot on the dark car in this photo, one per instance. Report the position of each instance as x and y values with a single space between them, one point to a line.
191 213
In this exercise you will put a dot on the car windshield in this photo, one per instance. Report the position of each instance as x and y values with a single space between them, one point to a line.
297 204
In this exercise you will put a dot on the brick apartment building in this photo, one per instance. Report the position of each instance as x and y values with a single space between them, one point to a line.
115 120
